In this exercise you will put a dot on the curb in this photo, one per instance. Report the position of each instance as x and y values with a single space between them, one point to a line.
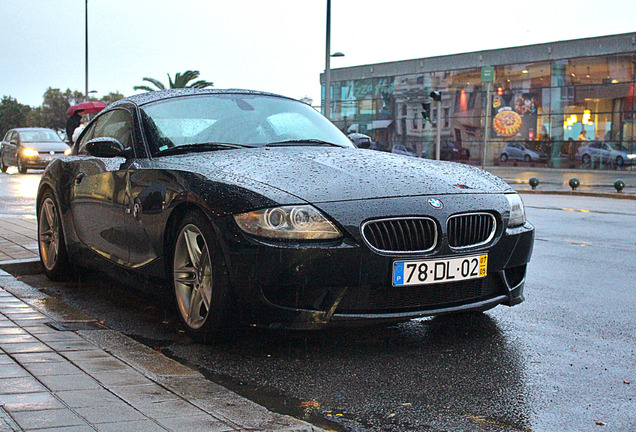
614 195
189 385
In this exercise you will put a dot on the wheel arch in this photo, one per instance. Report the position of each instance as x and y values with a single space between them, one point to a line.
177 214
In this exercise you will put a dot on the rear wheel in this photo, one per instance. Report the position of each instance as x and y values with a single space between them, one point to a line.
586 159
3 167
51 242
200 280
22 169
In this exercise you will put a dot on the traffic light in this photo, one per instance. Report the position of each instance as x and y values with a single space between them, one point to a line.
436 96
427 111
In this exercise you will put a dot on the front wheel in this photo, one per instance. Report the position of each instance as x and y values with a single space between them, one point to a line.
22 169
527 158
619 161
503 157
200 279
3 167
51 242
586 159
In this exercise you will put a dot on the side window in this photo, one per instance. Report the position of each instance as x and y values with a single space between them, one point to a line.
115 124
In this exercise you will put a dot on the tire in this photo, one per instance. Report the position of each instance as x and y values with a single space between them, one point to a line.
503 157
527 158
3 167
22 169
51 243
199 280
619 161
586 159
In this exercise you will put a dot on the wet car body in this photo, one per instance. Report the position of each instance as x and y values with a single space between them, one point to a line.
121 213
30 148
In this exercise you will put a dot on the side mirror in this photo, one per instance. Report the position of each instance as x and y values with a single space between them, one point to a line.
106 147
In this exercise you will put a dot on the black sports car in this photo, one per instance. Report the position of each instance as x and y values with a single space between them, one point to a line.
253 205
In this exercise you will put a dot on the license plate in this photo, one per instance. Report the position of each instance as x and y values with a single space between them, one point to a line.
424 272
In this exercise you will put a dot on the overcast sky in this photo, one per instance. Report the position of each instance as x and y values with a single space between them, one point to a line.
271 45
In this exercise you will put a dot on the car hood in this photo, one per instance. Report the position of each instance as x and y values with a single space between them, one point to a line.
319 174
46 146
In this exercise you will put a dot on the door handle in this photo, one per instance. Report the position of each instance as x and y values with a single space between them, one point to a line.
79 178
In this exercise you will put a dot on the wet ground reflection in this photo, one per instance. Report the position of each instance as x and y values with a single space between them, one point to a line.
440 374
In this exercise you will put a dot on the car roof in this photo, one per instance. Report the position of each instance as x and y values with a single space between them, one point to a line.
153 96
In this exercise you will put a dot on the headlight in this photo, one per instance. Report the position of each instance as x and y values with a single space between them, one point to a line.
631 156
301 222
517 212
68 151
29 152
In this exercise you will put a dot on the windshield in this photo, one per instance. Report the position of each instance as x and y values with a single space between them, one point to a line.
223 121
39 136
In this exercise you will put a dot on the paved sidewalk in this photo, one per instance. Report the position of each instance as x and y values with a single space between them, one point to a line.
18 238
56 379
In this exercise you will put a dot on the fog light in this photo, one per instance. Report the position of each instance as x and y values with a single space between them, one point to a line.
574 183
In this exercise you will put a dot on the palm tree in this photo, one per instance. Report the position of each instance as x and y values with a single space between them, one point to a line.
180 81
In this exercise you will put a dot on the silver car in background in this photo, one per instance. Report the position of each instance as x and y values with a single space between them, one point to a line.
604 152
30 148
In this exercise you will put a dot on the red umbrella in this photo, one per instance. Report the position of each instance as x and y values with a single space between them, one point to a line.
88 107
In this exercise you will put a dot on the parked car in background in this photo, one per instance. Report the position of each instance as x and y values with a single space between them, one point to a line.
254 207
451 151
402 150
605 152
515 150
31 148
361 140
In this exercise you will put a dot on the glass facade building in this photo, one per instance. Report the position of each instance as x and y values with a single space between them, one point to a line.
566 104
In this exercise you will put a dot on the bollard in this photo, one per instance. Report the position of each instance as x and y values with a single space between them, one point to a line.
534 182
619 185
574 183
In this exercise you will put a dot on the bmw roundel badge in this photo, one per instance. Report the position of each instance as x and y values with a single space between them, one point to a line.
435 203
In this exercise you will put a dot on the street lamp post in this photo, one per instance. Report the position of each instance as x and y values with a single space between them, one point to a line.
328 55
86 48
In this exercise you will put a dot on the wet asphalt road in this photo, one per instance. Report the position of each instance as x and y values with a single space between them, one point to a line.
561 361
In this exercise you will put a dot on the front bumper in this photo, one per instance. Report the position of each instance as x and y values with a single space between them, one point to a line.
309 286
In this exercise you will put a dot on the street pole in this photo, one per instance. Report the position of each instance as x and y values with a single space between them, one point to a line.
327 110
487 123
86 48
439 130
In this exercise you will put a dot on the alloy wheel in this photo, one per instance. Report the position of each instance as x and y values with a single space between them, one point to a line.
49 233
192 272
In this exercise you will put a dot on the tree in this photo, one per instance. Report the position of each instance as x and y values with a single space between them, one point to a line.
111 97
52 113
12 114
180 81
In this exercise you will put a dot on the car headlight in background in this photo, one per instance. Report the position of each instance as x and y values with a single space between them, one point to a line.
29 152
517 211
68 151
301 222
631 156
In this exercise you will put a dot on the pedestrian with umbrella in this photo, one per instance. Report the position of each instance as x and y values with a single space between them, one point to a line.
76 112
72 123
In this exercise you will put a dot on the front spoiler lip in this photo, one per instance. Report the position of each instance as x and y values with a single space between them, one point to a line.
481 305
314 320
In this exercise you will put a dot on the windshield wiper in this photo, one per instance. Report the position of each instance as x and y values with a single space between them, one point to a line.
200 147
308 142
